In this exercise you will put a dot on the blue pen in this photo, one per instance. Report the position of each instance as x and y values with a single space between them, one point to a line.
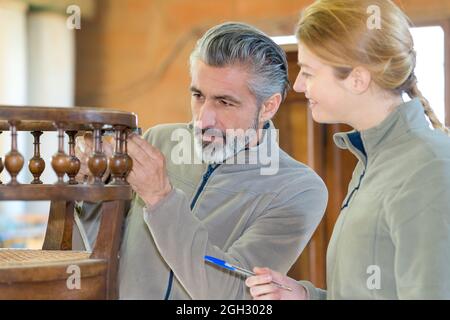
239 270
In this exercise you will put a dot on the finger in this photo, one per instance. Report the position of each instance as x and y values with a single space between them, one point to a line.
81 147
258 280
138 155
133 180
259 270
88 139
263 290
278 277
108 145
144 145
270 296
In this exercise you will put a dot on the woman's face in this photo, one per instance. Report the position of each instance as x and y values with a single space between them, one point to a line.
326 94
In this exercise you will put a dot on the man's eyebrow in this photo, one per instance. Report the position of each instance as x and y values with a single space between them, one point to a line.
228 98
219 97
194 89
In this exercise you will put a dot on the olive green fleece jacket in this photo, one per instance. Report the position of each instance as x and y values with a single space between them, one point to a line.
235 213
392 238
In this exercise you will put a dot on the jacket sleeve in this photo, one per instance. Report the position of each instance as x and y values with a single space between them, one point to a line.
275 239
421 233
313 292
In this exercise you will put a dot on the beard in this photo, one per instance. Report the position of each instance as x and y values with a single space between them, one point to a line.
225 144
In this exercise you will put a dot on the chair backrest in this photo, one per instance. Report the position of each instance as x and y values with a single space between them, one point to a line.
65 192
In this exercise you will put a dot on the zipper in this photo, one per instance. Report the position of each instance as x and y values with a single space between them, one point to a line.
205 179
349 198
206 176
361 177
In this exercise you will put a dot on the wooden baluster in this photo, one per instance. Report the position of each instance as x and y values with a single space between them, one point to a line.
1 165
60 161
118 161
74 163
98 162
36 164
129 161
13 160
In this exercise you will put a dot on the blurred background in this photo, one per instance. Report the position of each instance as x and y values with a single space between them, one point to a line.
133 55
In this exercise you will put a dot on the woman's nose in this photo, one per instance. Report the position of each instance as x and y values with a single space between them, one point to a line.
299 85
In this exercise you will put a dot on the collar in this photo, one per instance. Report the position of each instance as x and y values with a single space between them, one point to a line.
406 117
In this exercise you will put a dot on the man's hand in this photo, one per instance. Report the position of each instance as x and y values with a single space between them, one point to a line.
148 178
83 150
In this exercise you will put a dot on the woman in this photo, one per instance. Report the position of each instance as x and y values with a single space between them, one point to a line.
392 238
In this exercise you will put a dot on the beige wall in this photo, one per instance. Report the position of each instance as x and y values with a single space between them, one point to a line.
133 54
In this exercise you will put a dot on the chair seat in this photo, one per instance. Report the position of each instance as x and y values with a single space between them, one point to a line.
18 265
22 258
43 274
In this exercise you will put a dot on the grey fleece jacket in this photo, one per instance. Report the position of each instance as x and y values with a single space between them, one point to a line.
233 213
392 238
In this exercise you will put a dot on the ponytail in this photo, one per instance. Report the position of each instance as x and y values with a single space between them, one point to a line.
414 92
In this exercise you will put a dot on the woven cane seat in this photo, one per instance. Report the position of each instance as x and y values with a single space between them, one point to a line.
18 257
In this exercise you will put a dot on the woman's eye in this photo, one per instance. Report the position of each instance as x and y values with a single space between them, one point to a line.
306 75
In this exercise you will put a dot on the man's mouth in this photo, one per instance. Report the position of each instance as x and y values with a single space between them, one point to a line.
212 138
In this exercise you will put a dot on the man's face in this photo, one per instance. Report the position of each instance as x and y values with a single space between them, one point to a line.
221 101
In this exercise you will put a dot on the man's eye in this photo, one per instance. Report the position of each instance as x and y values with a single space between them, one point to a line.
196 95
225 103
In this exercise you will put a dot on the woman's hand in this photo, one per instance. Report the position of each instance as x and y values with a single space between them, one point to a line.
262 287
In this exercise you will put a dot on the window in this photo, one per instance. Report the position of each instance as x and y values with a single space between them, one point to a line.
430 66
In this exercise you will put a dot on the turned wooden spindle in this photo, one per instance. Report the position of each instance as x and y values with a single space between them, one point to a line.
60 161
36 164
118 161
1 165
98 162
129 161
13 160
74 163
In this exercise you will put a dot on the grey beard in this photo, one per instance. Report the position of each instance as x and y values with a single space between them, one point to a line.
213 153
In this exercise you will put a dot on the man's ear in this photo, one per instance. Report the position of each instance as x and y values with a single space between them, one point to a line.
270 107
359 80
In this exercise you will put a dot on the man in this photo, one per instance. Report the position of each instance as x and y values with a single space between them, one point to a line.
222 203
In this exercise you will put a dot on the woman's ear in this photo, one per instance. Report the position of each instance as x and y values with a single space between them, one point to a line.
270 108
358 82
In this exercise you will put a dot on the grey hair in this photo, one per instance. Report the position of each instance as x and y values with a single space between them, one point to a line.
234 43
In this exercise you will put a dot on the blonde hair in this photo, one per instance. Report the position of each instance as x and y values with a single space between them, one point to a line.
337 31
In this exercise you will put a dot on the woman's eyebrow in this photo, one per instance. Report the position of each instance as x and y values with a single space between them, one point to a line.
303 65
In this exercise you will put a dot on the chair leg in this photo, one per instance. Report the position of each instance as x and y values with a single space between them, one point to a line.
107 244
59 228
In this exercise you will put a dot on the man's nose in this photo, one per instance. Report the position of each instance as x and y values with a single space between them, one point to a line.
207 116
299 85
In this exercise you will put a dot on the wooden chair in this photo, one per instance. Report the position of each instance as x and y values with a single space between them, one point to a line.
51 273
